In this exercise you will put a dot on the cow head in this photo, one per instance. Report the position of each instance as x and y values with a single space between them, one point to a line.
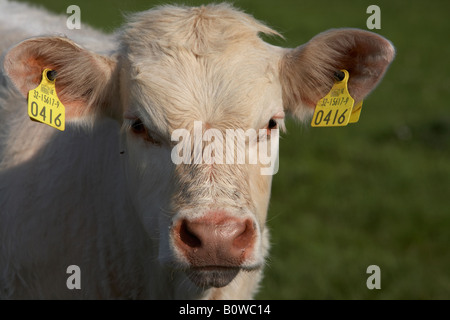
203 70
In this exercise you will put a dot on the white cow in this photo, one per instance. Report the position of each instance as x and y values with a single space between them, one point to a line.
105 195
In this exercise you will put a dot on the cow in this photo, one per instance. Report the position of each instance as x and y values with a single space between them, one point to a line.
106 194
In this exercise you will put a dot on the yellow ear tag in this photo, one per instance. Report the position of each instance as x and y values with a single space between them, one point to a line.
335 109
44 105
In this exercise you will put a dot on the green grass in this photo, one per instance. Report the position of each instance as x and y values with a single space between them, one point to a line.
377 192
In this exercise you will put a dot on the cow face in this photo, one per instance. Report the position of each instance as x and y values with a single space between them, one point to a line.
208 79
206 72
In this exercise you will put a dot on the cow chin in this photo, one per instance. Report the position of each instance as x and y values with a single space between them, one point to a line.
207 277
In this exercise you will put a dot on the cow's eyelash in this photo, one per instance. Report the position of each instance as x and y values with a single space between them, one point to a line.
138 128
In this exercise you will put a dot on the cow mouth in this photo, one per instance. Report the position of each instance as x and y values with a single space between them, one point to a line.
212 276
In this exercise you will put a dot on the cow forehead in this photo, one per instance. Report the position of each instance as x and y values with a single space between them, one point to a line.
211 89
201 30
200 64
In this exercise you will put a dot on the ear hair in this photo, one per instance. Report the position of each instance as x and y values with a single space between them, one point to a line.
307 72
85 80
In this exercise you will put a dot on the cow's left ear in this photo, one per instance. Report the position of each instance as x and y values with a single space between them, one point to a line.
85 81
307 72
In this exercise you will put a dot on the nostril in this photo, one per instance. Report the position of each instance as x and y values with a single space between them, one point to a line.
245 238
188 237
215 240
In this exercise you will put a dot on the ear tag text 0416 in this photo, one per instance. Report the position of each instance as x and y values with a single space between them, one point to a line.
44 105
336 108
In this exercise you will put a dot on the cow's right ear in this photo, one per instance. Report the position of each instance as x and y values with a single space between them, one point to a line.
85 80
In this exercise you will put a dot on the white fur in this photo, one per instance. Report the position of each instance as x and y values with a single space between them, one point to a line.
65 199
107 199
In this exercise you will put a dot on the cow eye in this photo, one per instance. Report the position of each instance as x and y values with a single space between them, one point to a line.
139 128
272 124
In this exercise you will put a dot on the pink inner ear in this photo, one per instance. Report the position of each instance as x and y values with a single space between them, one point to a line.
307 71
82 78
26 76
30 74
369 60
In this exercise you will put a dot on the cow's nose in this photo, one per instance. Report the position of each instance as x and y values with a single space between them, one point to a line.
215 240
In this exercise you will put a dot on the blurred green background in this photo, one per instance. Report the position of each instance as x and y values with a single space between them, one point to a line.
377 192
